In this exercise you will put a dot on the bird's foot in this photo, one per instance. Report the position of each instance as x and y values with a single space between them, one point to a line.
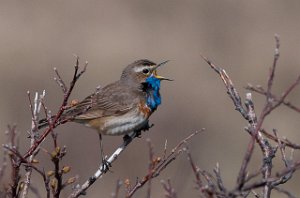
147 126
105 165
126 138
138 134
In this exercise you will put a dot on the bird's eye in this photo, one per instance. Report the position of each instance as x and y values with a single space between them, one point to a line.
146 71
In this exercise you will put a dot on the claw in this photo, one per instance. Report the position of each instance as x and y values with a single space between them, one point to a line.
105 165
147 126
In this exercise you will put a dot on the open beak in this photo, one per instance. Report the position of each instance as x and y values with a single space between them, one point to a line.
155 73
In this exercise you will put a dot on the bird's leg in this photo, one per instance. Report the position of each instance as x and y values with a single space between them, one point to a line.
105 164
138 132
145 127
126 138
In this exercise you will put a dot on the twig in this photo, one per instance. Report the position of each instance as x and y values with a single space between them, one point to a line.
287 193
21 159
14 162
55 121
35 108
231 91
152 163
154 173
258 89
273 68
165 150
60 81
286 142
219 179
255 194
4 162
282 149
57 188
118 186
160 165
170 191
195 169
248 113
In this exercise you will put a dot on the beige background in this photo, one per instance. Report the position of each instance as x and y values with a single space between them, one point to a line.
36 36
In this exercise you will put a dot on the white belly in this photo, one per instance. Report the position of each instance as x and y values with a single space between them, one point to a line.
124 124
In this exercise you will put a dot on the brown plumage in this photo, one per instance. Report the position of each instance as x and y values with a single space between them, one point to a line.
119 107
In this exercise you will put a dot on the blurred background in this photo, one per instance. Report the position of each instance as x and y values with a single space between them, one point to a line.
36 36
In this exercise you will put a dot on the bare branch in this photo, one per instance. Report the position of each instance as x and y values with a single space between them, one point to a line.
160 165
56 118
60 81
272 69
219 179
195 169
285 141
35 110
258 89
118 186
152 163
231 91
170 191
287 193
255 124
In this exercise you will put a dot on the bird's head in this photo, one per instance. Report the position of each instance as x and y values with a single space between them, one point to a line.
142 71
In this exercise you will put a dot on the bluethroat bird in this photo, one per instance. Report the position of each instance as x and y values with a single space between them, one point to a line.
123 106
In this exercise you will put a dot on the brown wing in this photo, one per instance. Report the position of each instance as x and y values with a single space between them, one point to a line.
111 100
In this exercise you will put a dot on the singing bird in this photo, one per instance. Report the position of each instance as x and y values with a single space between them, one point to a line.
123 106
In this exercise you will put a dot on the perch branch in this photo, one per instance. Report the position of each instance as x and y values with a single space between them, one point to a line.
81 190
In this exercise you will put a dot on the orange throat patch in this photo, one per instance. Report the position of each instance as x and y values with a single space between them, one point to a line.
145 110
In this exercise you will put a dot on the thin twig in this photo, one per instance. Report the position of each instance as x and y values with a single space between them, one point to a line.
258 89
160 165
219 179
287 193
195 169
152 164
273 68
60 81
282 149
118 186
55 121
286 142
170 191
35 110
14 162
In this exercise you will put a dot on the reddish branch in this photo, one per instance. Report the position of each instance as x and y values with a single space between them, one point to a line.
67 92
18 160
27 160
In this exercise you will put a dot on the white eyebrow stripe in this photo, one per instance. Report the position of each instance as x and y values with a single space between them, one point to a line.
139 69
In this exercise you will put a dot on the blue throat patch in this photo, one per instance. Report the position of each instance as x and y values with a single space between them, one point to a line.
153 95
